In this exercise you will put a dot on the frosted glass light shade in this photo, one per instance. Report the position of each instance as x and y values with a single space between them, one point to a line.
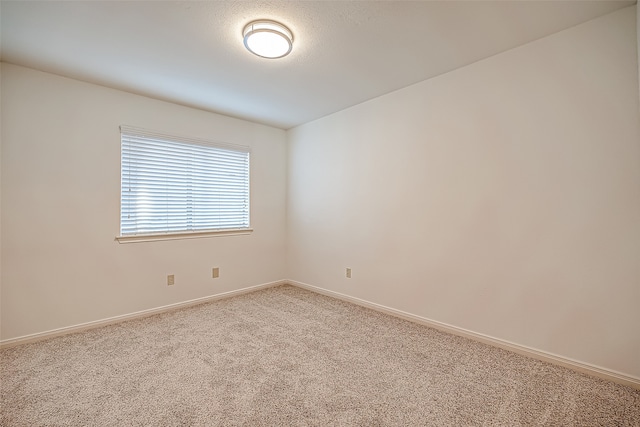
268 39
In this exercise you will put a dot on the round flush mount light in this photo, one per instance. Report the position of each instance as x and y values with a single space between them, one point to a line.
268 39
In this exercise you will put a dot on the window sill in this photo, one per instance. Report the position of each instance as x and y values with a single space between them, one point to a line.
181 236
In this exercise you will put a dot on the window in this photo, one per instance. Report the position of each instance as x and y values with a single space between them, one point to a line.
180 187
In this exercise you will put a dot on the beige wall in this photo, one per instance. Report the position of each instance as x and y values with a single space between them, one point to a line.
61 197
502 197
0 197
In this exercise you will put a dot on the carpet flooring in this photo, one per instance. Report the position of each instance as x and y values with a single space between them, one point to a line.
285 356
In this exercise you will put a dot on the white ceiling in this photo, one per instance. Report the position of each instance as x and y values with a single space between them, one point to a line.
345 52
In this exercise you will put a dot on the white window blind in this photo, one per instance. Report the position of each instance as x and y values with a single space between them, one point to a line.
177 185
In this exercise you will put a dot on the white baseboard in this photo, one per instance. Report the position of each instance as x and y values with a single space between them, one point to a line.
597 371
137 315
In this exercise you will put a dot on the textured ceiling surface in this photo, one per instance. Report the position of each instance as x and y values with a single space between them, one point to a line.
345 52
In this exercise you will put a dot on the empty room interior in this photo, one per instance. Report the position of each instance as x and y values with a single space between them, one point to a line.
433 216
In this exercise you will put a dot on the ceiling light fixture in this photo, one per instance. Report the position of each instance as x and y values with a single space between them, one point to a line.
268 39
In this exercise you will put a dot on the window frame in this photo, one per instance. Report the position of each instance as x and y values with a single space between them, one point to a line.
131 131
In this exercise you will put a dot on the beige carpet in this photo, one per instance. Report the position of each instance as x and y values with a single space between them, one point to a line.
288 357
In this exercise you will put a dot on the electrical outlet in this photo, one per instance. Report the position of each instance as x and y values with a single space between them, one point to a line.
348 273
215 272
171 280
